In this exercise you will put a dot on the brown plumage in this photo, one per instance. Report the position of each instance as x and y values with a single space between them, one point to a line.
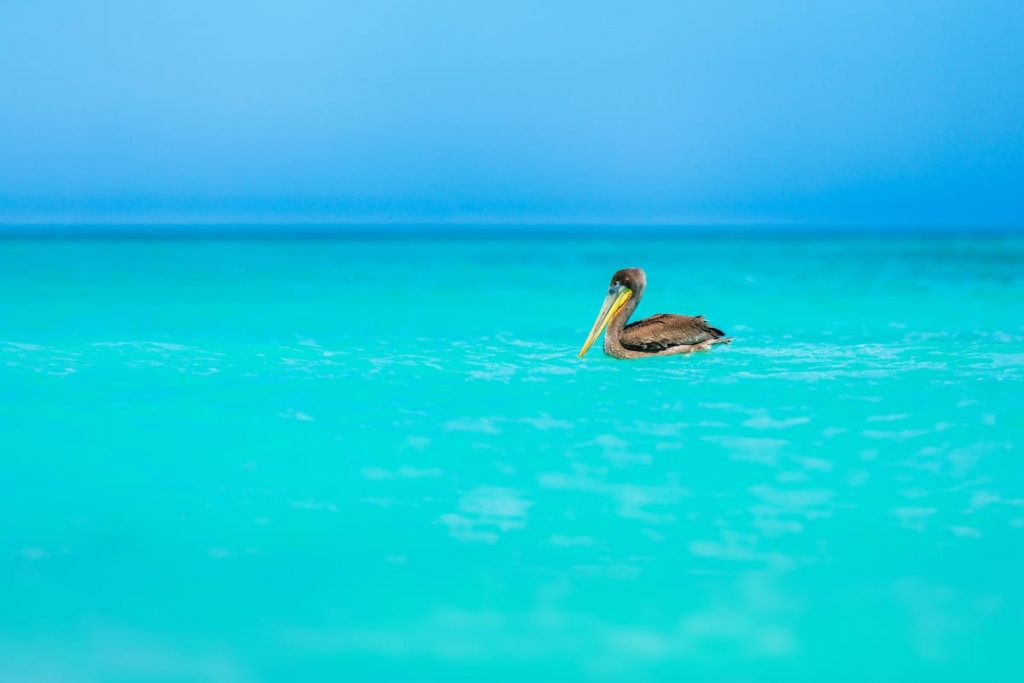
666 330
660 335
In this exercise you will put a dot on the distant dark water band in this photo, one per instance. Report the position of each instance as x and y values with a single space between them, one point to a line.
412 232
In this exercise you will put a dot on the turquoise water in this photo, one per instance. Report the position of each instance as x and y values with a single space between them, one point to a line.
371 460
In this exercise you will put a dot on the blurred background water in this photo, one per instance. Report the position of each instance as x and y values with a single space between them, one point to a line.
380 460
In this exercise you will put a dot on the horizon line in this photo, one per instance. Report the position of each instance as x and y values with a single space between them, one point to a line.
243 229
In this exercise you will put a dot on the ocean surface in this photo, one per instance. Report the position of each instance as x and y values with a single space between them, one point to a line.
371 459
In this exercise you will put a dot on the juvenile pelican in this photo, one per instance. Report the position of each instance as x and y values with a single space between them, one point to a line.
664 334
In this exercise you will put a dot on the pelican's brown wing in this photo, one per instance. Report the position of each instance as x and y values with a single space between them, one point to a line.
666 330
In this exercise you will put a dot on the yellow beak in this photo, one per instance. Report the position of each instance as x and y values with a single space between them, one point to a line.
617 297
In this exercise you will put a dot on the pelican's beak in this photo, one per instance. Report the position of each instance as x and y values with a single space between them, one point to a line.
617 297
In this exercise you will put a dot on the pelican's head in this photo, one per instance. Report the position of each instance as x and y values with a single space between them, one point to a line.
626 283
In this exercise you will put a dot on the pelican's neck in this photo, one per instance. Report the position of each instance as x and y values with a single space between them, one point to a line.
612 345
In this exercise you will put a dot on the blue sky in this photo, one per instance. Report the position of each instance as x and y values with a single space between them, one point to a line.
833 113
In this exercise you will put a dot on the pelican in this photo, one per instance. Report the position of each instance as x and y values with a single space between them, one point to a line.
664 334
